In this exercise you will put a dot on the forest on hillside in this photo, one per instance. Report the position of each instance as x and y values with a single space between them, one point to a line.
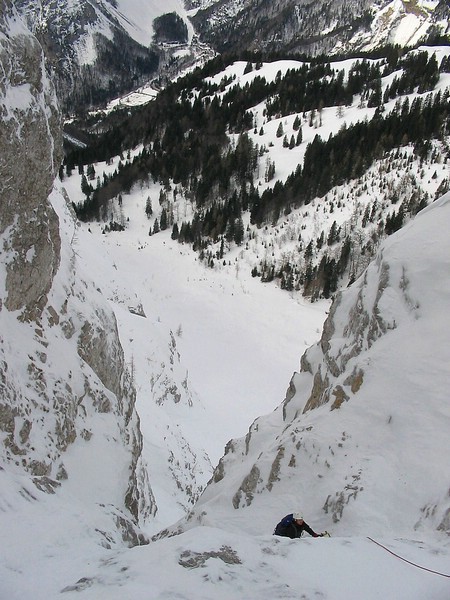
195 136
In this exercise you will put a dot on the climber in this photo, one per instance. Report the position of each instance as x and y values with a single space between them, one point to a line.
293 525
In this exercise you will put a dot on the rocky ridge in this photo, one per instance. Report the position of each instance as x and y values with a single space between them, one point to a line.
318 27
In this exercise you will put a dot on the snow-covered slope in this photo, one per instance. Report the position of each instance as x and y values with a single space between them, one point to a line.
361 441
207 353
213 564
393 445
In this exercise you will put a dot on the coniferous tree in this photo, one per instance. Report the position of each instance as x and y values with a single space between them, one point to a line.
148 208
376 95
162 197
270 170
85 186
163 220
333 234
239 231
309 250
90 172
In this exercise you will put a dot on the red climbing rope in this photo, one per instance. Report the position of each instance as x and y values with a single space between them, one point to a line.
407 561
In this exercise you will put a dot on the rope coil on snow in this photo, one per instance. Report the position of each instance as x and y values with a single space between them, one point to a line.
407 561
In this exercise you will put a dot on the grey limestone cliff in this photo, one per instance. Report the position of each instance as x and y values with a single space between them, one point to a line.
61 363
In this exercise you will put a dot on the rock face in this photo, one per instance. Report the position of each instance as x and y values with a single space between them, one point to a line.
366 323
64 385
318 27
31 143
